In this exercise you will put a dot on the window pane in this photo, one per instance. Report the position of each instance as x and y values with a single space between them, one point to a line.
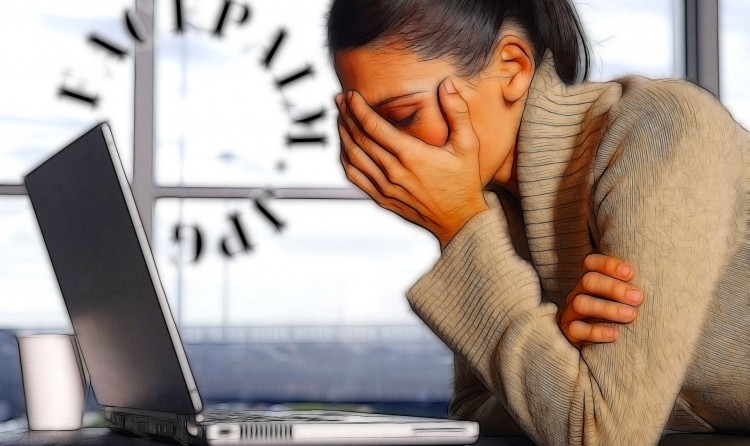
630 37
334 262
404 364
30 297
734 36
46 48
224 117
316 312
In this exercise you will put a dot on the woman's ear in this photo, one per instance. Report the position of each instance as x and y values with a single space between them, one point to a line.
514 63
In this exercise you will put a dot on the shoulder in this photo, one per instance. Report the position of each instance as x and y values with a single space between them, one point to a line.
666 137
656 124
671 107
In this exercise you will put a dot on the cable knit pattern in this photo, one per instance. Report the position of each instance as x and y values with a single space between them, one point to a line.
655 172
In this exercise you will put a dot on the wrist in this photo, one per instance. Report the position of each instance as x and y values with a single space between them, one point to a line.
446 236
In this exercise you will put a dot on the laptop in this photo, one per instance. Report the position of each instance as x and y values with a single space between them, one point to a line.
137 364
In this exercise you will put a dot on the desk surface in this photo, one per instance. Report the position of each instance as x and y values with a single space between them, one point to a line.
101 436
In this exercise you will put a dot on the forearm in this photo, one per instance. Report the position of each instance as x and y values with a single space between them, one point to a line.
485 303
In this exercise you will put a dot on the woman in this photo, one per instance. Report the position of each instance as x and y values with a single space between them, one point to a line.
467 118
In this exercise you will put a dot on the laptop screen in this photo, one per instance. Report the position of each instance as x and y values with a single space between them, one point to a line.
108 279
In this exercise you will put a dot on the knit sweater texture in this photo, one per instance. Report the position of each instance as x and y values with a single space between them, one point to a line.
654 172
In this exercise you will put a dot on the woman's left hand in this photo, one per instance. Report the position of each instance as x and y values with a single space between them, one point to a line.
602 293
438 188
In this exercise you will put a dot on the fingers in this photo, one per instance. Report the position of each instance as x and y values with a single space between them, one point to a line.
375 163
599 284
608 265
587 306
367 126
384 160
370 183
578 332
602 294
364 173
386 174
365 184
462 137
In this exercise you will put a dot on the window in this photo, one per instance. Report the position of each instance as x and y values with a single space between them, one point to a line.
631 37
30 297
334 263
49 51
221 118
734 40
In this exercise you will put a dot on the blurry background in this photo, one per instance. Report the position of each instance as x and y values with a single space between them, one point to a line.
211 117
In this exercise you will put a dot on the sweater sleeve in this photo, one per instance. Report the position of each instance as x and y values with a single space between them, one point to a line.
472 401
667 200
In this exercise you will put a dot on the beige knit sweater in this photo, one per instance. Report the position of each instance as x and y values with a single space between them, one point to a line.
653 172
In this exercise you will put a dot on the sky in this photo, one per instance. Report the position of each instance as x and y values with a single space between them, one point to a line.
220 121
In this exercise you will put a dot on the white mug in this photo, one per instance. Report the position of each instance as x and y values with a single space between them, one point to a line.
55 381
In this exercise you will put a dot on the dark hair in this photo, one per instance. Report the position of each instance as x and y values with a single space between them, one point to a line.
465 30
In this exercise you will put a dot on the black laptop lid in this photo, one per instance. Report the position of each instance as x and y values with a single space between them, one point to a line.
108 278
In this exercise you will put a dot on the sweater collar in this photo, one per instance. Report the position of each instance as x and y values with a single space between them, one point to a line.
560 129
556 120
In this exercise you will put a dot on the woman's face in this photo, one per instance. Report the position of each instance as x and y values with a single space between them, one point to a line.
403 89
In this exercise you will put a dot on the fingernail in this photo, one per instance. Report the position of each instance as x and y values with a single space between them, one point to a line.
609 333
449 87
634 296
627 312
339 99
624 270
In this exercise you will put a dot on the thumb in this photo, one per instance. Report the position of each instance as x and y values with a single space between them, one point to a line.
461 136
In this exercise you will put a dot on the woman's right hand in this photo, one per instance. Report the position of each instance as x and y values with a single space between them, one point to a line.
602 293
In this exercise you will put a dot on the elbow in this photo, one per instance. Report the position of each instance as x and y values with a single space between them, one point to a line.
493 419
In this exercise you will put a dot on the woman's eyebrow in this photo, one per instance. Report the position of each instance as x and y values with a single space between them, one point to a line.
393 98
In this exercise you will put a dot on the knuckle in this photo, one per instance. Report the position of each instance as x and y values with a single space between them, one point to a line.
357 156
355 177
396 175
406 157
370 124
350 178
611 264
599 306
462 109
569 298
358 138
589 330
349 170
390 203
381 202
568 331
579 303
397 178
390 191
349 150
355 181
617 288
580 330
589 261
589 280
344 144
